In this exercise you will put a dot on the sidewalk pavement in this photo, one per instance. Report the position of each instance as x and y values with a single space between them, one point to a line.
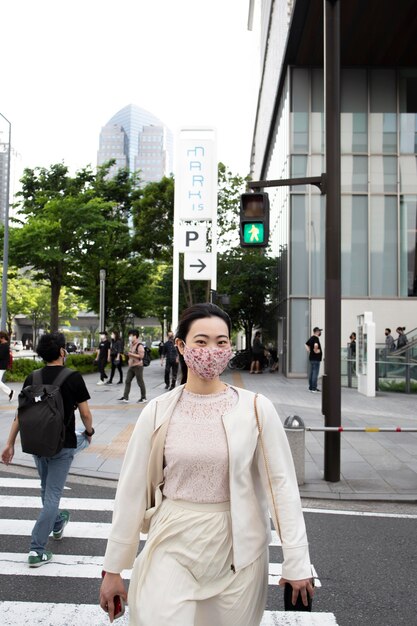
374 466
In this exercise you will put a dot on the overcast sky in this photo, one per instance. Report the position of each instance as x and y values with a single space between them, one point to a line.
67 66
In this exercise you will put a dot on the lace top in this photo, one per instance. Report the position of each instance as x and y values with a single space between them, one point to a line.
196 452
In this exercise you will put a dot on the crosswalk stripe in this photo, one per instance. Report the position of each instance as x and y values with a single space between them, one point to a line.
77 504
74 614
81 566
80 530
22 483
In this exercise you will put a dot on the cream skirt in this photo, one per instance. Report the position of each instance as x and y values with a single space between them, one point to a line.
184 575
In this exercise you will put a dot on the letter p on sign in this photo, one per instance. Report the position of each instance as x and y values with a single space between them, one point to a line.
192 238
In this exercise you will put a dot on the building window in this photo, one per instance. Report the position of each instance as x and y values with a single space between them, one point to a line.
300 110
317 244
299 250
354 174
408 244
383 246
383 177
354 255
299 333
354 111
383 111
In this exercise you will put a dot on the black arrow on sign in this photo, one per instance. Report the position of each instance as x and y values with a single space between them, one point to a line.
201 266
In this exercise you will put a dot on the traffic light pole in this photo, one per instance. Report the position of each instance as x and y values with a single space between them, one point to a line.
329 185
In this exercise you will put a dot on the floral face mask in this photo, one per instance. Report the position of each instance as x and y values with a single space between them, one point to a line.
207 363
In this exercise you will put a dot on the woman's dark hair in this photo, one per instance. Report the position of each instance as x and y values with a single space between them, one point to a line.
400 329
188 316
4 335
116 334
50 345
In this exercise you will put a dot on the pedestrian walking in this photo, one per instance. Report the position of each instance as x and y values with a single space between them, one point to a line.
194 477
313 348
116 351
103 356
389 341
258 354
4 362
135 370
401 337
170 356
352 346
53 470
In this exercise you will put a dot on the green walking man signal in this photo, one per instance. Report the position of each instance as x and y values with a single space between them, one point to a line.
254 219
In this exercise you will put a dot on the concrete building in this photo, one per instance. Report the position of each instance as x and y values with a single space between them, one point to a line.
378 171
137 139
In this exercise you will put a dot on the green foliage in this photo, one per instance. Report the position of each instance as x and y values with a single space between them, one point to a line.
396 386
22 367
251 280
83 363
153 218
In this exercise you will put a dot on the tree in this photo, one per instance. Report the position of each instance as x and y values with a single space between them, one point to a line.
71 227
251 281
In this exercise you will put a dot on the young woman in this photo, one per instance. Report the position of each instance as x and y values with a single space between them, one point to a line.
194 466
401 337
116 351
258 351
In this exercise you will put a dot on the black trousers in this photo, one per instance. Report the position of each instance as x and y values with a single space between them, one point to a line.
171 366
101 365
114 367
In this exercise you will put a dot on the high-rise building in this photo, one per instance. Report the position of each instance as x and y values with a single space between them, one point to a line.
137 140
378 164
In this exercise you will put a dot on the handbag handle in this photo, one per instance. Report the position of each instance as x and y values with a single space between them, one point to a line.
268 473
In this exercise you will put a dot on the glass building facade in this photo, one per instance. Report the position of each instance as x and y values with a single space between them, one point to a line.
134 123
378 195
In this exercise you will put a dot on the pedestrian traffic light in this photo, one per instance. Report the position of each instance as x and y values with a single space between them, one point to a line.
254 219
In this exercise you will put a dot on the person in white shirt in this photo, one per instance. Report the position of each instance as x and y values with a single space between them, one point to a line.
194 477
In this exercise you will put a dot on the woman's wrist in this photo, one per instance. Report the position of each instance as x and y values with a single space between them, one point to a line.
91 433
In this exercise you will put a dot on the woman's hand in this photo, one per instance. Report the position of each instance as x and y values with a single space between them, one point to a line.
7 454
304 586
111 586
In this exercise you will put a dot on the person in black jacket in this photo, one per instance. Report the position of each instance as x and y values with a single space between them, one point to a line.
4 362
170 354
116 351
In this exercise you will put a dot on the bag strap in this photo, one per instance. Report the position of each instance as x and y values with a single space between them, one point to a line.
268 473
62 376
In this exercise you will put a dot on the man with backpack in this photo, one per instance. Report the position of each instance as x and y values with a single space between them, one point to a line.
50 395
136 355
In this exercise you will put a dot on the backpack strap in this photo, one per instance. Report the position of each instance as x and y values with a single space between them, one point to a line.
62 376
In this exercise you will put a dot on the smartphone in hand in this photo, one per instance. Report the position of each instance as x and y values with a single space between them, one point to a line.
119 603
119 606
298 606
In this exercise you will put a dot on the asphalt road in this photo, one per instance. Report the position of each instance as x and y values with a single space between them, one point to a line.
364 554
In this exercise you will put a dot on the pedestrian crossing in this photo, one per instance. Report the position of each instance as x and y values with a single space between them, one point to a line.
72 579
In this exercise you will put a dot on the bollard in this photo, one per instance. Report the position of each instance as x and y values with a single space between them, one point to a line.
295 431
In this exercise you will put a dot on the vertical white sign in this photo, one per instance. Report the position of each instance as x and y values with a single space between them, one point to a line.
195 200
196 175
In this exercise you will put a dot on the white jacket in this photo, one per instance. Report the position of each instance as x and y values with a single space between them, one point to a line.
250 494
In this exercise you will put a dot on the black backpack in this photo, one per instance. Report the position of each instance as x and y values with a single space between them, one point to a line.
146 357
41 415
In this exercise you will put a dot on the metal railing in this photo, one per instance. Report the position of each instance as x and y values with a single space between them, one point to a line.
394 371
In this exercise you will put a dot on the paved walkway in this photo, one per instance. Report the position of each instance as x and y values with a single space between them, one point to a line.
374 466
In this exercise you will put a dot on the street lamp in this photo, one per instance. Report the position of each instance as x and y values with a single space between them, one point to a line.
6 237
102 323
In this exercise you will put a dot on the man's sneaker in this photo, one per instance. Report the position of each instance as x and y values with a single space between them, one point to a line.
36 560
58 534
101 382
109 382
123 399
142 400
11 394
